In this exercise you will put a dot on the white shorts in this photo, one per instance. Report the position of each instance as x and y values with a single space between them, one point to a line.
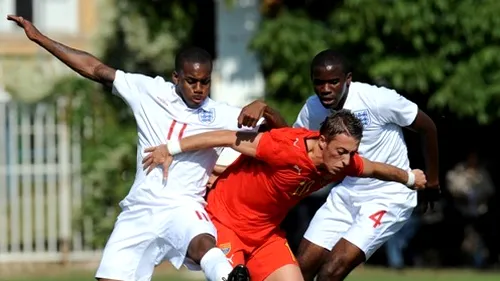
144 236
366 220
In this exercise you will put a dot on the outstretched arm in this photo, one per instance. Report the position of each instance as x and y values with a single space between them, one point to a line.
82 62
413 179
244 142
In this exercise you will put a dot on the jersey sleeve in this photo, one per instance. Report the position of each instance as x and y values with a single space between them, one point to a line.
231 114
311 115
130 87
274 147
356 167
302 120
394 108
227 156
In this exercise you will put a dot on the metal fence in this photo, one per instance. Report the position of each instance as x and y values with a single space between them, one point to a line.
40 186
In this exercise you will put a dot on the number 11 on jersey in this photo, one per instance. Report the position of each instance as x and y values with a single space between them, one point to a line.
172 127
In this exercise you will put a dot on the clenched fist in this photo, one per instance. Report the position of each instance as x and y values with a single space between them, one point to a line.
420 179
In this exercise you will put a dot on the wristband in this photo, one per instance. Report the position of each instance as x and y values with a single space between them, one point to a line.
174 147
411 178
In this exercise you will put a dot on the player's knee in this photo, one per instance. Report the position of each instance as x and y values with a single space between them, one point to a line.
308 267
336 268
199 246
310 257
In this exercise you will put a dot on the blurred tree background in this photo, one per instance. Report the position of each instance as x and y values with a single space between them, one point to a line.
441 52
445 49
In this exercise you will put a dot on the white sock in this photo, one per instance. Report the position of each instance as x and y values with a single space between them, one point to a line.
215 265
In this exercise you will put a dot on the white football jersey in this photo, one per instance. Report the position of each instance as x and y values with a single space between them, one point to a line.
383 112
162 115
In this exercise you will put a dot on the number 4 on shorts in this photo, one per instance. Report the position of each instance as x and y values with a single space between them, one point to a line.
377 218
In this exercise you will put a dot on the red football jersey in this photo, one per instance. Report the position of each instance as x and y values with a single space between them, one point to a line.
253 195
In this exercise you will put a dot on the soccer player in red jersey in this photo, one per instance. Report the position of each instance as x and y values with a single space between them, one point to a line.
276 170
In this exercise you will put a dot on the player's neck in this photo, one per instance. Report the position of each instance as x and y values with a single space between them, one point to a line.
341 103
314 152
185 102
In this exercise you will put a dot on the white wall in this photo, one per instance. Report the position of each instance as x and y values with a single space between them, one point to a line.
57 16
6 7
54 16
237 78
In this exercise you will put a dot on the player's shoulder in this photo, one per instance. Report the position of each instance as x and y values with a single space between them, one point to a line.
369 98
290 135
221 105
144 80
314 109
313 100
288 144
313 104
371 92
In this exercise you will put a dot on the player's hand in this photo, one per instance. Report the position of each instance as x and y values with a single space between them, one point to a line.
31 31
251 114
428 197
158 155
420 179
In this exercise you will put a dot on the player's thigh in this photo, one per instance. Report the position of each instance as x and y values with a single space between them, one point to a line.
178 226
230 244
271 256
289 272
377 221
332 220
132 249
310 258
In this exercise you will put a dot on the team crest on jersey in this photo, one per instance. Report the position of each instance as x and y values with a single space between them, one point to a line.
226 248
363 116
206 116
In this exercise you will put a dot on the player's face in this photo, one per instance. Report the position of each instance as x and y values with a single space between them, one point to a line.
330 84
338 152
193 83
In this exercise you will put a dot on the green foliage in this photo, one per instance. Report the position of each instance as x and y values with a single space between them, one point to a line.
108 137
446 49
285 55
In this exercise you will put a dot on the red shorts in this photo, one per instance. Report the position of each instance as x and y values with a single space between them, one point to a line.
261 261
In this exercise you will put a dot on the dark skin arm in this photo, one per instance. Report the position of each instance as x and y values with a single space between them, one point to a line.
424 125
274 119
251 113
81 62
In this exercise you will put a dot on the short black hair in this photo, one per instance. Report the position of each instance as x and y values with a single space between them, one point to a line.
330 57
342 122
192 55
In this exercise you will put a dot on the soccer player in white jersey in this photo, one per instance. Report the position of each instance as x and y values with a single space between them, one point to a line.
361 214
164 220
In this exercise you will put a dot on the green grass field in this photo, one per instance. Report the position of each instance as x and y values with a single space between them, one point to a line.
363 274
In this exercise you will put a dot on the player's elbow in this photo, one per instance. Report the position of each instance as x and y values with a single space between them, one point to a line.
99 72
369 169
424 124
